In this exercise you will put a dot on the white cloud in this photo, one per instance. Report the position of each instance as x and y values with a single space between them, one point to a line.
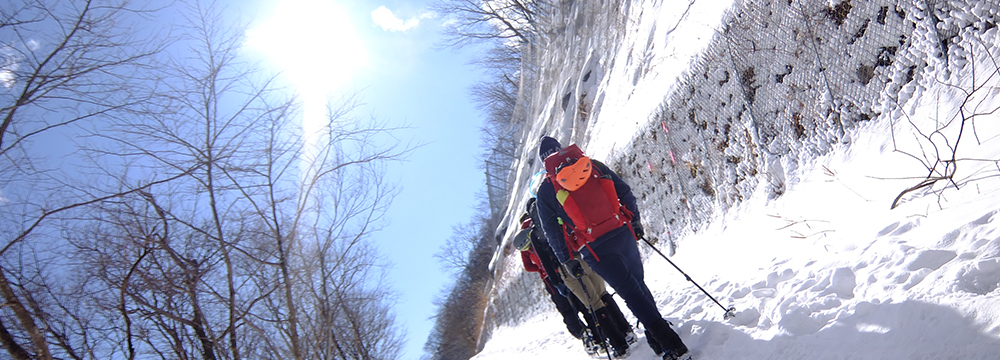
389 22
8 64
7 81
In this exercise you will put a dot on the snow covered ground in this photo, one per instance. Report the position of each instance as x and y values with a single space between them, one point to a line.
827 270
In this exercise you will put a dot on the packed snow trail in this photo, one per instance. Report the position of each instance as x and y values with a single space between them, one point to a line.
827 271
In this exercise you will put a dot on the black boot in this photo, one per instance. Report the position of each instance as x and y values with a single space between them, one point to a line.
616 314
653 344
671 344
611 332
589 344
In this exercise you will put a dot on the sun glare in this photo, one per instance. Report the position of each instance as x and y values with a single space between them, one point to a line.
313 42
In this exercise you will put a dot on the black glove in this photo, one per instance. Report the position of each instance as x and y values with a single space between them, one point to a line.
637 227
573 268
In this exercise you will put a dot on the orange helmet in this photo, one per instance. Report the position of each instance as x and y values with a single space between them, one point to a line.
574 175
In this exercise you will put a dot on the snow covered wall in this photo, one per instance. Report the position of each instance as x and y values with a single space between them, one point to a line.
785 80
709 114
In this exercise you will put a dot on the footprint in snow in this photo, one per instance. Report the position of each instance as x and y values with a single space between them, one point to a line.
980 278
841 282
930 259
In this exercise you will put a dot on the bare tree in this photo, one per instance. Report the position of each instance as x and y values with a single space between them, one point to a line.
247 257
476 21
937 148
505 27
344 274
497 96
156 267
209 105
63 66
458 328
454 253
196 230
319 219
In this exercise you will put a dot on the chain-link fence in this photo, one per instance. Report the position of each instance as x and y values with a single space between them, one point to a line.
781 82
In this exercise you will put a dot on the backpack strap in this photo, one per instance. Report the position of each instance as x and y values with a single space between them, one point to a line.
573 245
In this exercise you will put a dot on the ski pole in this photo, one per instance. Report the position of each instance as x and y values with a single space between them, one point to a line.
730 312
597 325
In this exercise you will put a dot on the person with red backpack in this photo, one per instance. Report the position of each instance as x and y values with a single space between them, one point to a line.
553 284
567 305
537 256
587 211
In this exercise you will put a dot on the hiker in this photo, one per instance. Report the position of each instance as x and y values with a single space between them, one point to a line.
615 329
567 305
588 211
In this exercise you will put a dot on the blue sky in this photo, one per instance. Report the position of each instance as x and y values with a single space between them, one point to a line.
403 78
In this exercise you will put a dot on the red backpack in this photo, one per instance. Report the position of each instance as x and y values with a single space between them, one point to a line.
593 207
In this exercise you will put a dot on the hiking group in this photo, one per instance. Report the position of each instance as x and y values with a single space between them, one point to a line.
584 211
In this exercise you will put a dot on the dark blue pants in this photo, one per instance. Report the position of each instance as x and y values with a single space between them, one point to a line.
621 267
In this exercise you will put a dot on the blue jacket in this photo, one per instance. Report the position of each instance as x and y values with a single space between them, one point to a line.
541 245
550 211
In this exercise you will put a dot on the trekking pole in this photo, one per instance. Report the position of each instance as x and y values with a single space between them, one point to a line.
597 325
730 312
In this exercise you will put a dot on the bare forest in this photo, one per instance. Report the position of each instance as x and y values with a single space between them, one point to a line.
505 31
158 201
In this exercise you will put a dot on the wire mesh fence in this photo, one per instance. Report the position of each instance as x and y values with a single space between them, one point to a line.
784 80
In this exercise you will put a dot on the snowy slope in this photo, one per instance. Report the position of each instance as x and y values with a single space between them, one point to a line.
827 270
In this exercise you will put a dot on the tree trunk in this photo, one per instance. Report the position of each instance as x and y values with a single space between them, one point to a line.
15 349
24 317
